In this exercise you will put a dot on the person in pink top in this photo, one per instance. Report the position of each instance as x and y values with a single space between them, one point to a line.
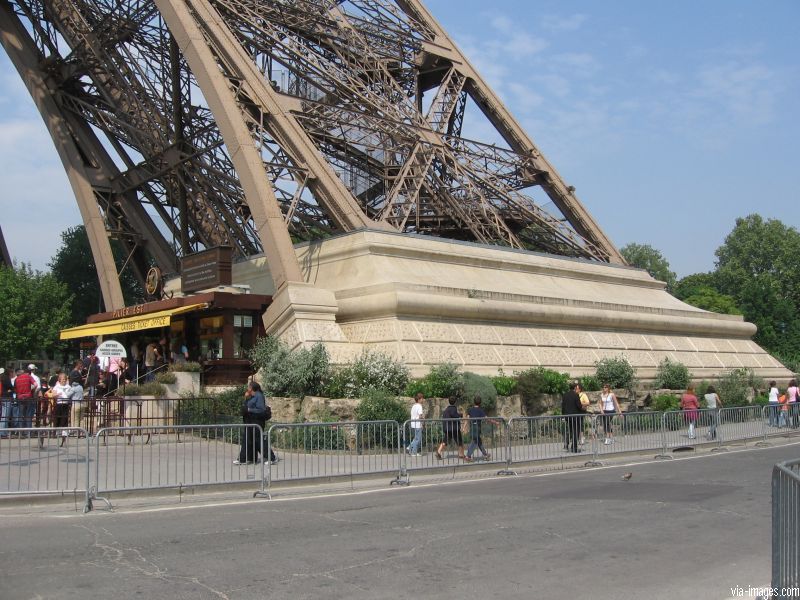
792 398
689 405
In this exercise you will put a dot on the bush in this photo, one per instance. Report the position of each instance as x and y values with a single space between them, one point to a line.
223 407
442 381
378 405
186 367
672 375
370 371
539 380
481 386
734 388
151 388
290 373
531 384
503 384
166 377
590 383
615 371
761 400
664 402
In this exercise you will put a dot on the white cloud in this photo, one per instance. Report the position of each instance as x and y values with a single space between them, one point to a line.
563 23
744 91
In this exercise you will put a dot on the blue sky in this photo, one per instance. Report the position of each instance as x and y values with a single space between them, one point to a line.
670 119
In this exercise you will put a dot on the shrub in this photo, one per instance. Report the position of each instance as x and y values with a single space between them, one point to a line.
539 380
531 384
378 405
590 383
503 384
186 367
285 372
664 402
370 371
672 375
615 371
735 386
166 377
223 407
761 400
151 388
479 385
442 381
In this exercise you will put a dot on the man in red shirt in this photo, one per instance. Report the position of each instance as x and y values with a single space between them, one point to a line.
25 387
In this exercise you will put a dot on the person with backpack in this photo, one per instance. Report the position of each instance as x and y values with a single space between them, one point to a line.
451 428
255 411
476 415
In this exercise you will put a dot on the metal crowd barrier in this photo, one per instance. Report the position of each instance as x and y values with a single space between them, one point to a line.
786 529
44 461
742 423
548 437
487 438
627 432
781 422
134 458
335 449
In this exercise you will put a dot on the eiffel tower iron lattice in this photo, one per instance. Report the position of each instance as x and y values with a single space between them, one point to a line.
189 124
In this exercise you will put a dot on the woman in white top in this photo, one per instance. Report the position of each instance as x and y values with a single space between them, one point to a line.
62 392
713 402
792 399
608 406
774 406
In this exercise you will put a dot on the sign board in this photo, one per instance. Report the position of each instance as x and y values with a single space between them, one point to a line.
111 349
207 269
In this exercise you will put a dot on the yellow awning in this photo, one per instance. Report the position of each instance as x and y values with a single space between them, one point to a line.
127 324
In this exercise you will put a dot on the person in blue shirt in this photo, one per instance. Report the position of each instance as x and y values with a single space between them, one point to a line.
254 412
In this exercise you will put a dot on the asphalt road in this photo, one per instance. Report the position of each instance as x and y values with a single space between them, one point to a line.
691 528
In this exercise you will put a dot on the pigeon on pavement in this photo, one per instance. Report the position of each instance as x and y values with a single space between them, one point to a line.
627 476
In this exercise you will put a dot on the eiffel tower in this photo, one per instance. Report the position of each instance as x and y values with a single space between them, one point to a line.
187 125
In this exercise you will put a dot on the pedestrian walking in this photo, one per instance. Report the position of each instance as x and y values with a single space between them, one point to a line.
714 403
792 399
774 406
62 392
477 416
254 412
417 414
689 405
451 429
573 416
609 406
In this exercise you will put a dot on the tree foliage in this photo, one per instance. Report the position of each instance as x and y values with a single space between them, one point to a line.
74 265
758 265
34 308
651 260
701 290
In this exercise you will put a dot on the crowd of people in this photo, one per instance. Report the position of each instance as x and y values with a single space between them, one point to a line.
28 400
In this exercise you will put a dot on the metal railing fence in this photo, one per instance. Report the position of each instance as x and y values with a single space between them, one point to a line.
786 528
627 432
133 458
44 461
333 449
152 456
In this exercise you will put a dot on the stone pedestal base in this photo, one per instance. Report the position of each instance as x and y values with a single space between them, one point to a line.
428 301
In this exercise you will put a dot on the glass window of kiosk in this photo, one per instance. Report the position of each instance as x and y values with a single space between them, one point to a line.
242 335
210 334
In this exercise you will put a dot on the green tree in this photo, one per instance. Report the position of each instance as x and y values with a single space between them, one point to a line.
74 265
34 309
701 290
758 266
651 260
